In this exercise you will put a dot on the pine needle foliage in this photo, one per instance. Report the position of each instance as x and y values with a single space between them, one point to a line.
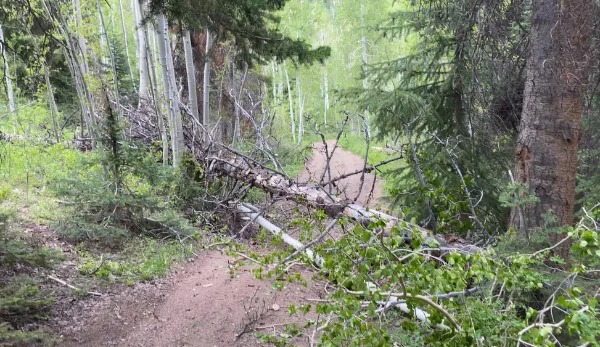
454 99
251 25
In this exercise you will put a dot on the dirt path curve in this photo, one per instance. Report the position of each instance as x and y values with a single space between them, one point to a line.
343 162
204 303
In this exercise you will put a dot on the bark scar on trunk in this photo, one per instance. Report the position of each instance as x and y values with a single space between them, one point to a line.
523 163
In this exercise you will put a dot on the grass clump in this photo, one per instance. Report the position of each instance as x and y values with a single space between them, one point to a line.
141 259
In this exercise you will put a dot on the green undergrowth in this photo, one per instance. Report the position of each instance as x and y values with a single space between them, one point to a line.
512 290
23 302
140 259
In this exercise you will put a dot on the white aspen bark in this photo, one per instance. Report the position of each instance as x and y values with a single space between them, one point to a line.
238 103
125 41
326 95
111 56
191 78
300 110
174 118
77 66
293 122
206 89
153 83
9 88
178 121
51 103
80 38
365 59
274 83
136 25
141 34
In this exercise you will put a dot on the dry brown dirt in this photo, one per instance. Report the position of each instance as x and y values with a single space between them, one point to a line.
203 303
343 162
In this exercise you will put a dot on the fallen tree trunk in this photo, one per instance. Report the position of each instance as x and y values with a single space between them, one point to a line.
254 215
242 168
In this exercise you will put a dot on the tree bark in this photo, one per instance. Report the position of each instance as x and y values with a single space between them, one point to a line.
166 62
290 98
206 89
9 88
191 78
51 103
125 40
141 33
557 75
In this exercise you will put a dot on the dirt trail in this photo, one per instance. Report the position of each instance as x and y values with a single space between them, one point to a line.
201 303
343 162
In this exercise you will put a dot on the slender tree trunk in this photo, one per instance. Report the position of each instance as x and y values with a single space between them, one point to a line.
557 74
292 120
170 89
80 38
77 63
325 95
52 103
274 83
238 102
113 64
142 53
153 83
365 61
8 80
125 40
301 98
206 89
191 79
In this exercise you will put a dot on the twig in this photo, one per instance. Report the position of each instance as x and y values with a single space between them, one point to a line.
366 169
56 279
311 243
420 298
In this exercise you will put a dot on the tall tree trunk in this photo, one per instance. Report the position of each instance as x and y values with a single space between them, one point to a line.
191 79
77 62
113 63
293 122
52 103
301 98
125 40
557 75
365 61
170 89
206 89
141 33
9 88
325 94
80 39
153 83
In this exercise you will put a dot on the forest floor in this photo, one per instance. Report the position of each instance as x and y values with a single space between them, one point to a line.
209 302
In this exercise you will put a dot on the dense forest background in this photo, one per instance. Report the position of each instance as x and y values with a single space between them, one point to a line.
138 133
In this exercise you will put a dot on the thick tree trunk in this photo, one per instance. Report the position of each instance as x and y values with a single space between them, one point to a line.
557 74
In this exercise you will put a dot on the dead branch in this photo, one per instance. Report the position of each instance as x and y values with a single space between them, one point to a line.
367 169
56 279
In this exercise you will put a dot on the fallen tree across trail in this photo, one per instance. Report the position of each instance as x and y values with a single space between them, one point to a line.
250 171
